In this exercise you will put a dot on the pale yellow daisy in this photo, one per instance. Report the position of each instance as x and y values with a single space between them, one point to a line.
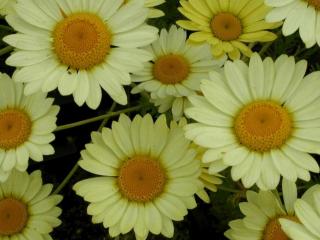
79 47
302 15
175 70
227 25
26 126
148 176
307 210
27 210
262 212
260 119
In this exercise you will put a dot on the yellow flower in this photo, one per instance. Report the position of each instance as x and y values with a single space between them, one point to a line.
148 176
227 24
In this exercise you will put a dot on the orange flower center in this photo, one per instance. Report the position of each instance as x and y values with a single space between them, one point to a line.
273 229
263 125
141 179
81 40
13 216
315 3
226 26
15 128
171 69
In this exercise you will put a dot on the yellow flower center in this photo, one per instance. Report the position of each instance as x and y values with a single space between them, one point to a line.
81 40
15 128
171 69
13 216
273 229
315 3
141 179
263 125
226 26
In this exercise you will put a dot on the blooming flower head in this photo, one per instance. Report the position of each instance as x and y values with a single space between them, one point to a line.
153 12
307 210
27 210
26 126
263 211
175 70
297 14
261 120
227 25
79 47
148 176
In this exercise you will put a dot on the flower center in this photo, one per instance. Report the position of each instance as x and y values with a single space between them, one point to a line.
273 229
13 216
171 69
15 128
141 179
263 125
226 26
81 40
315 3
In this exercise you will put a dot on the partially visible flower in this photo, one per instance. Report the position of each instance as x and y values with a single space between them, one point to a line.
27 210
148 176
302 15
175 70
260 119
227 25
79 47
150 4
262 213
209 181
6 6
26 126
307 210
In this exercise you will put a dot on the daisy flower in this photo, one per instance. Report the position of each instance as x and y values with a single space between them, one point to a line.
208 181
227 25
297 14
175 70
261 120
79 47
153 12
6 6
308 212
27 210
148 176
26 126
262 212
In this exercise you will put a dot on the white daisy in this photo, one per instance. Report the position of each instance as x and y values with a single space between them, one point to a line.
297 14
79 46
261 119
148 176
27 210
26 126
176 69
308 212
262 213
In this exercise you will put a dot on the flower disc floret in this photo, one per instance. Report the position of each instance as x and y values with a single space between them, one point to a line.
81 40
15 128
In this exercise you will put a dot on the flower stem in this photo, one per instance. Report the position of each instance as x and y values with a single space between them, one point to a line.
5 50
98 118
227 189
66 179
